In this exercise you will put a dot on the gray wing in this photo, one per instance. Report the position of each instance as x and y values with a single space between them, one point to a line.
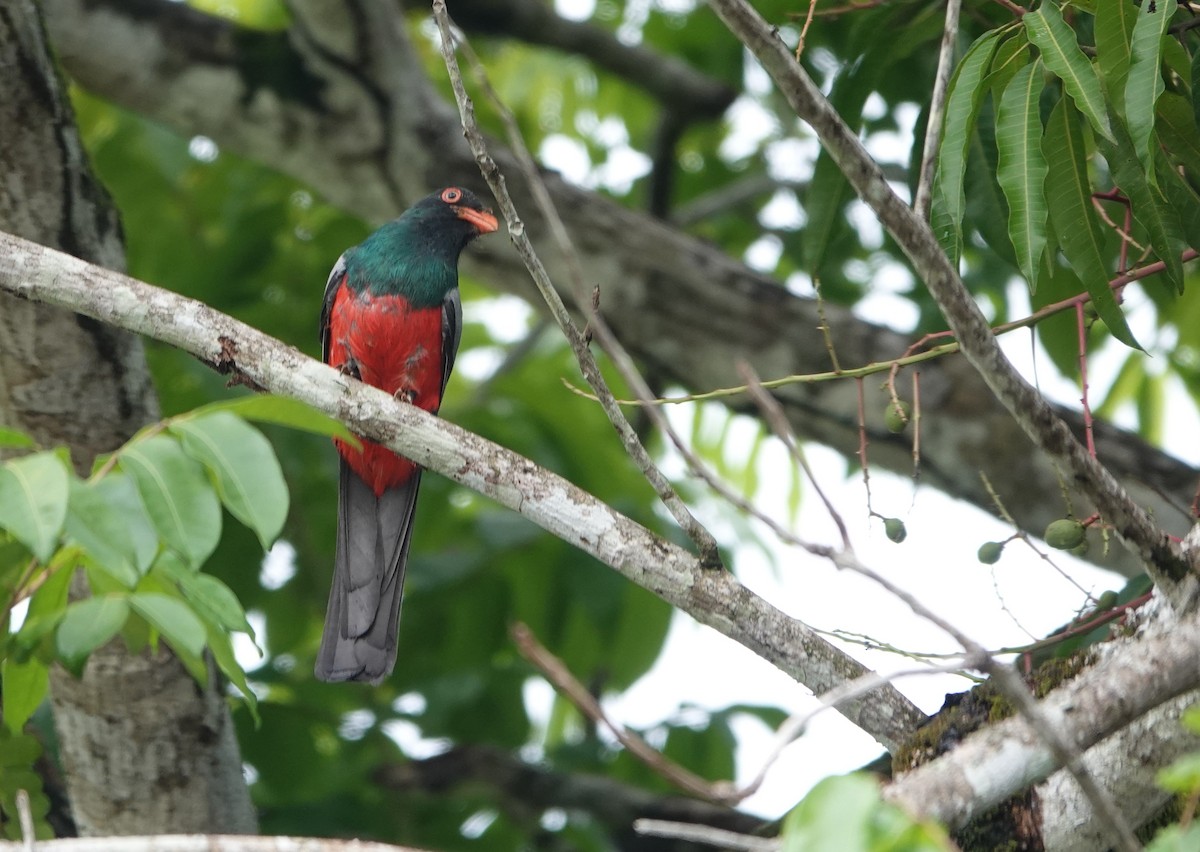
451 332
336 275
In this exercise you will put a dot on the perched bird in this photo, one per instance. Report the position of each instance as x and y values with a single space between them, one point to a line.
392 318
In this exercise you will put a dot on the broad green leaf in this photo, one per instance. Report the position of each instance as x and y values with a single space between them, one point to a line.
1176 838
962 107
33 501
1022 168
1061 53
1070 198
1185 201
25 684
242 461
177 496
847 814
104 528
280 410
226 660
15 438
1011 56
1114 32
1145 82
172 618
1150 207
88 624
214 599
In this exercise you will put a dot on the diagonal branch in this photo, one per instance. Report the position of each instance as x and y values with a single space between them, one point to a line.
712 597
1162 559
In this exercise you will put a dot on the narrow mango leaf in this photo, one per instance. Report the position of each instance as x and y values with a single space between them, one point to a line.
1124 387
1022 168
1061 53
25 685
1196 86
281 410
1150 208
15 438
103 529
177 496
962 107
33 501
1151 405
172 618
243 464
1011 56
88 624
1070 198
1177 130
1184 200
1145 82
1114 32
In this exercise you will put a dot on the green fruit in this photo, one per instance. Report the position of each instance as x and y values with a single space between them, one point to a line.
897 416
989 552
1107 601
894 527
1064 534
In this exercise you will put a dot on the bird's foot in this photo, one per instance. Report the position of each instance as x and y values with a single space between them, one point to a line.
408 395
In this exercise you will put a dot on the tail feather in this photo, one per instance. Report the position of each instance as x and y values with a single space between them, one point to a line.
363 615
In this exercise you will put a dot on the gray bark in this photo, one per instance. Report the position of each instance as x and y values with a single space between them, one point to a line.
144 747
360 122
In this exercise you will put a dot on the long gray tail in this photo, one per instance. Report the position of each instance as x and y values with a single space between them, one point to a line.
359 642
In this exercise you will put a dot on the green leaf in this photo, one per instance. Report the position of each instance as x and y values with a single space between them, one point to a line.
847 814
177 496
962 107
15 438
212 598
1074 219
33 501
226 660
1176 838
1196 86
1182 776
1145 82
88 624
1114 32
25 685
1150 208
172 618
280 410
242 461
1022 168
105 529
1061 53
1177 130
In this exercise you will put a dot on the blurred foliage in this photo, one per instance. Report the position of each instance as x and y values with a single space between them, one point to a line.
258 245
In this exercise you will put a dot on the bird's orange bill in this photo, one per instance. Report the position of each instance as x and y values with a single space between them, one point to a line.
484 221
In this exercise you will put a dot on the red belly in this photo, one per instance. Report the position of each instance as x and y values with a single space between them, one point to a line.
396 348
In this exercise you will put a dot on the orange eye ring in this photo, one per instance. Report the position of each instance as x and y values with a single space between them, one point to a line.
452 195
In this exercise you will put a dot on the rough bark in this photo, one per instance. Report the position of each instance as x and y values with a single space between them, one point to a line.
143 746
358 120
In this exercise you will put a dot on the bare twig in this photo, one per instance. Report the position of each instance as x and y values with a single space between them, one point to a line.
937 110
707 545
773 413
693 833
555 671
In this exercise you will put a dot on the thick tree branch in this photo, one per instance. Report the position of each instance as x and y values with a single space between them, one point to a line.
1135 675
346 108
713 597
1133 524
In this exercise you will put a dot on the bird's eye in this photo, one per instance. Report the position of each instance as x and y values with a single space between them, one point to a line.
451 195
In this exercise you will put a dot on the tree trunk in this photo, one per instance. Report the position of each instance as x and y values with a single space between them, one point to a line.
145 749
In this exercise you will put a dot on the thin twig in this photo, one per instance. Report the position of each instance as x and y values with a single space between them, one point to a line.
706 544
812 7
694 833
569 687
25 817
937 110
773 413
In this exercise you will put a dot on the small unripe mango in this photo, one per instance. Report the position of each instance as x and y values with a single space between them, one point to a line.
1064 534
897 416
895 529
990 551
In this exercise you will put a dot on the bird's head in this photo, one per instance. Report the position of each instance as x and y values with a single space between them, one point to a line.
452 216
